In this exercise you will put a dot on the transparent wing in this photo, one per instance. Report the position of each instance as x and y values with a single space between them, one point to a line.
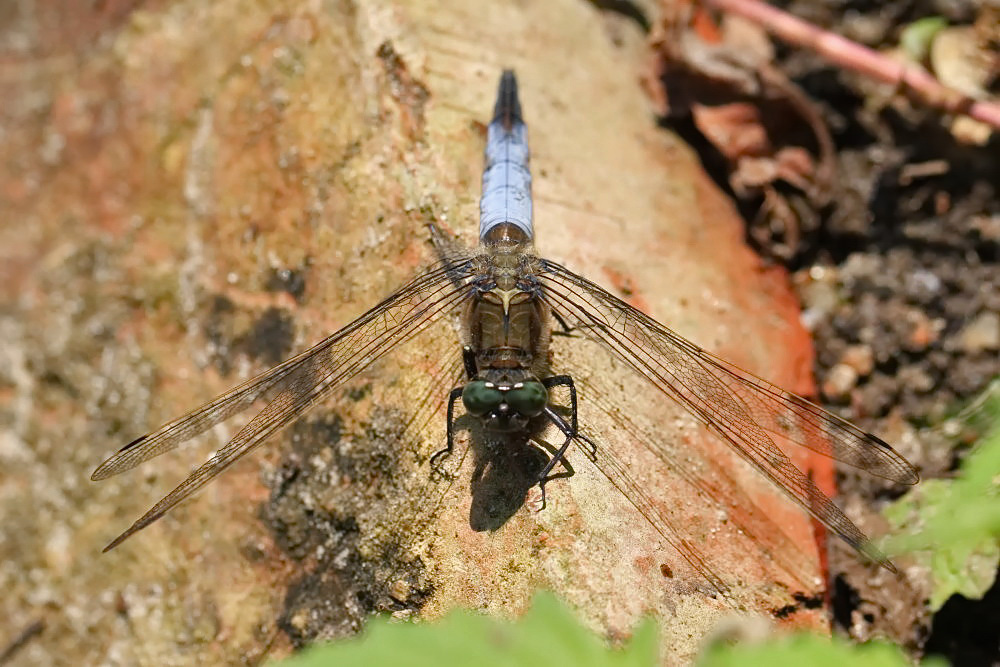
660 519
738 406
708 485
297 384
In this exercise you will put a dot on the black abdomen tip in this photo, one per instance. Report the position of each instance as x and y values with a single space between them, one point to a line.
508 107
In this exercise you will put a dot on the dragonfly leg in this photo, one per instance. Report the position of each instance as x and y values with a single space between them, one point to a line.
567 381
436 458
558 457
469 362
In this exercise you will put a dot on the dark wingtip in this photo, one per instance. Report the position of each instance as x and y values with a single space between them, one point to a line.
508 107
103 471
911 477
132 444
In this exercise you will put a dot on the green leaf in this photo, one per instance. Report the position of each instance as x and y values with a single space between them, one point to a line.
799 650
952 527
548 634
916 38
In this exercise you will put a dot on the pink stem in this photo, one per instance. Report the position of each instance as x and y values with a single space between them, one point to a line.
860 58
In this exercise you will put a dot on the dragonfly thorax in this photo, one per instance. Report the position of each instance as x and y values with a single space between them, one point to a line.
506 321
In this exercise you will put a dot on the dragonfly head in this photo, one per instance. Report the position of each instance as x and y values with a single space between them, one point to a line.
507 406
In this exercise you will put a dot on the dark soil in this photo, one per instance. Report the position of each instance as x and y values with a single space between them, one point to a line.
900 285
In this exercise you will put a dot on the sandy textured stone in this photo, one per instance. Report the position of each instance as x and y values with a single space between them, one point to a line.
191 191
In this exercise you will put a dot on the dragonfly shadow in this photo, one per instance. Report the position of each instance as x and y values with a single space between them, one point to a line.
504 471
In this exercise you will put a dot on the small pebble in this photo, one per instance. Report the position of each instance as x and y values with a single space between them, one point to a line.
860 358
915 379
840 381
982 333
299 620
399 590
922 331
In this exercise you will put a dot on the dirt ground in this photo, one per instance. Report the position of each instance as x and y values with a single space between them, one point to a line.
897 271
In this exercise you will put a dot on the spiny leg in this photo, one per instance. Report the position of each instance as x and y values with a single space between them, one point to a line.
557 458
570 430
469 363
435 461
567 381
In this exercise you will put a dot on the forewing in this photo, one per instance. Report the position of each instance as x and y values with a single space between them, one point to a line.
299 382
806 424
738 406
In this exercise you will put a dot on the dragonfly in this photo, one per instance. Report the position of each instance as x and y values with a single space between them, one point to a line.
509 302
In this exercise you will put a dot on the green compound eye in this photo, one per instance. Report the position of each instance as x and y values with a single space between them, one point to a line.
481 397
529 399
